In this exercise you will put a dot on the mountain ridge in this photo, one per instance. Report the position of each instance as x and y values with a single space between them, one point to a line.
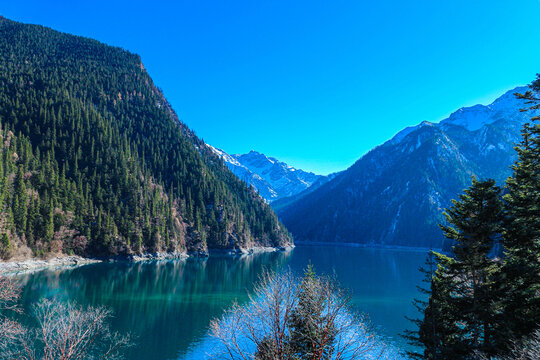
395 194
273 179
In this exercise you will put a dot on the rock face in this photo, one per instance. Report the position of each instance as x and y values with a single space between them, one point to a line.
273 179
395 194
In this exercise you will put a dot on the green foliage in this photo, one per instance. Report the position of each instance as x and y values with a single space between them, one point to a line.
429 331
266 350
462 285
92 150
5 246
308 338
519 281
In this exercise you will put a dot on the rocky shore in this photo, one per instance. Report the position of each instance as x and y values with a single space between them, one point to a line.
249 251
62 262
152 256
30 265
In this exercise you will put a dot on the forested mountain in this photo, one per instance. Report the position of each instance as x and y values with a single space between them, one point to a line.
395 194
272 178
95 161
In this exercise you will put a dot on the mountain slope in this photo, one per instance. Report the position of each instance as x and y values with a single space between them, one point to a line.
95 161
273 179
395 194
283 202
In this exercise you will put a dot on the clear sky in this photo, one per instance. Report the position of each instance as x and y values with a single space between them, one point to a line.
313 83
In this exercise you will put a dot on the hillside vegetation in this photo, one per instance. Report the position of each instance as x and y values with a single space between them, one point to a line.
95 161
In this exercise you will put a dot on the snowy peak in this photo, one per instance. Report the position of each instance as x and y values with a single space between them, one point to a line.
403 133
226 157
476 117
395 194
256 159
473 118
273 179
273 170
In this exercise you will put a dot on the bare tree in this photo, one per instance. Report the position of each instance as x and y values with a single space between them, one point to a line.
524 350
65 331
337 332
268 326
70 332
10 329
243 329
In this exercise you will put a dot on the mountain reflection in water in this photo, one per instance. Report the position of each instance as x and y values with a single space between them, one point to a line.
168 305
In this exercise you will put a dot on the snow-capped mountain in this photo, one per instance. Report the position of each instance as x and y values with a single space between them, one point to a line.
396 193
273 179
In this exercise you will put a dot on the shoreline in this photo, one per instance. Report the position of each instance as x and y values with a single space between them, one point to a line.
62 262
19 267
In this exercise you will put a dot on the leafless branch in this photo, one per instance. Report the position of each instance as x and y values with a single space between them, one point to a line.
65 331
265 323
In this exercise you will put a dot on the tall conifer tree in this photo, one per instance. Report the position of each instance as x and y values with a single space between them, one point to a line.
459 318
520 278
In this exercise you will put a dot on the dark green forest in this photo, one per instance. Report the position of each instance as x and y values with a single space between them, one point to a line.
94 161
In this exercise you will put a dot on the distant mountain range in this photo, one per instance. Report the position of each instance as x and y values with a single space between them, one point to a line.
97 162
395 194
272 178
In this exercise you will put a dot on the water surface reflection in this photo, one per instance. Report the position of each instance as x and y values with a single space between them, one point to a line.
168 305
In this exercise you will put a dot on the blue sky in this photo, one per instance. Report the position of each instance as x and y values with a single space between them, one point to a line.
313 83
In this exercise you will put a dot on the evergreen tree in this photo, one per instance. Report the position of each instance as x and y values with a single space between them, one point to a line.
49 224
310 337
480 306
461 301
5 246
520 277
429 335
20 207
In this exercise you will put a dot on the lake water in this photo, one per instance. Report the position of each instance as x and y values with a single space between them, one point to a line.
168 305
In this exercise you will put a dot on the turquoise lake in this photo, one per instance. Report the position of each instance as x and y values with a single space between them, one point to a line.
168 305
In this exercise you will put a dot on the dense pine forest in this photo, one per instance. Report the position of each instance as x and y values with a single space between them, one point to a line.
94 161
